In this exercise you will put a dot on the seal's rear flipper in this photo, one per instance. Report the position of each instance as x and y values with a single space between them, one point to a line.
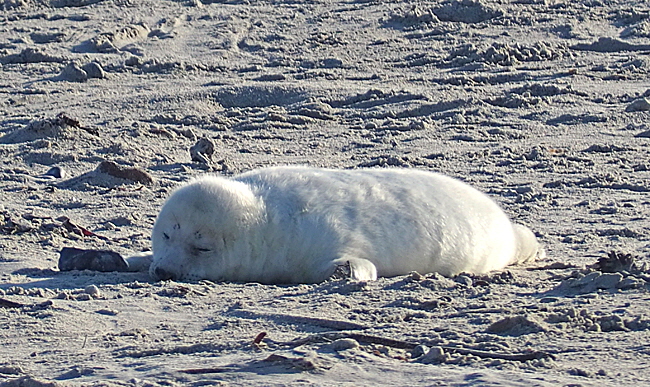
140 261
528 248
358 269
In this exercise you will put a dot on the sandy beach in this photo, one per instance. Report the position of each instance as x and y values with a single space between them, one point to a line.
107 105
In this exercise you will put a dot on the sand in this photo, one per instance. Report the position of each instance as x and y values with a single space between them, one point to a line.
105 106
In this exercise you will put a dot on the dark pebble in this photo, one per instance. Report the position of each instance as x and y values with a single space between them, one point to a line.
71 258
56 172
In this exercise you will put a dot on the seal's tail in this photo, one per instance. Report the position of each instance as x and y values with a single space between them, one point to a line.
528 248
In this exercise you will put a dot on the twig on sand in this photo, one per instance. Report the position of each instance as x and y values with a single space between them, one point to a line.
199 371
10 304
4 303
321 322
257 342
259 338
401 344
525 356
476 311
330 336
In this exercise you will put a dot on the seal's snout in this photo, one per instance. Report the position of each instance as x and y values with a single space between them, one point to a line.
163 275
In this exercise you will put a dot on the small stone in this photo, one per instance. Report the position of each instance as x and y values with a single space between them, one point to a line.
458 119
107 312
56 172
640 105
612 323
83 297
343 344
133 61
187 133
371 125
92 290
464 280
435 355
271 77
202 151
98 260
415 276
331 63
608 281
515 326
74 73
593 327
630 283
29 381
94 70
418 351
580 372
16 290
586 280
11 370
134 174
75 372
62 296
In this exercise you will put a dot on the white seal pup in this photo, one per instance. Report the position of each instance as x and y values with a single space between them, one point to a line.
298 224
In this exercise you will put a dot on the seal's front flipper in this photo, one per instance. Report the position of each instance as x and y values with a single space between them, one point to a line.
358 269
139 261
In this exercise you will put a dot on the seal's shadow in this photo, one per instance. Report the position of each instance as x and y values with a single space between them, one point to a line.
53 279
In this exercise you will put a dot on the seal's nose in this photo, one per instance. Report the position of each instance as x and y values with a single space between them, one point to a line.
163 275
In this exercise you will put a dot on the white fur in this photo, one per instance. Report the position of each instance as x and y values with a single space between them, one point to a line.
296 225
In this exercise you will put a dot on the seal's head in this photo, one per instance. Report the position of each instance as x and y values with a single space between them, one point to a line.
202 229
